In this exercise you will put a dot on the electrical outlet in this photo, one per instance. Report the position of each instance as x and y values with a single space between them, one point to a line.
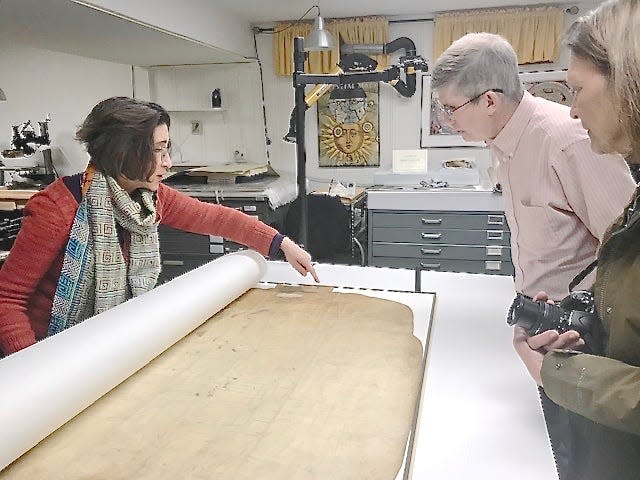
196 127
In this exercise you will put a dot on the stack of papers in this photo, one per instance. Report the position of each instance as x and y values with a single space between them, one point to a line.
13 199
232 172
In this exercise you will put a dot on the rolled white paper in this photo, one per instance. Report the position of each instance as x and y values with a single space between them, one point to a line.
44 386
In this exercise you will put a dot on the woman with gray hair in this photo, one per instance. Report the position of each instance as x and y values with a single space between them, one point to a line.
602 390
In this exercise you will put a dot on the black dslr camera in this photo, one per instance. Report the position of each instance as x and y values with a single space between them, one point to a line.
574 312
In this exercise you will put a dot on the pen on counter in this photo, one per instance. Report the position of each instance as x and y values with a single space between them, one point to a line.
330 185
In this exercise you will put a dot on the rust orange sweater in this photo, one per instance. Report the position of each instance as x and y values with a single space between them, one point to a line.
29 276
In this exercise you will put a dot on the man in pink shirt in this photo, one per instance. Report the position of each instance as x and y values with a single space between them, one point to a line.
559 196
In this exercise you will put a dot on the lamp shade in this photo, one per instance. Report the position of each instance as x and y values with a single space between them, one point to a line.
319 39
3 97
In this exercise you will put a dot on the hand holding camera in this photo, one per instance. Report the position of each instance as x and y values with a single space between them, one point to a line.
574 312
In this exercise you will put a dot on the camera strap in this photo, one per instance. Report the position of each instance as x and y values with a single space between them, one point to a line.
631 217
581 276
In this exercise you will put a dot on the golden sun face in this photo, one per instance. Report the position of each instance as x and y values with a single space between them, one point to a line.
347 143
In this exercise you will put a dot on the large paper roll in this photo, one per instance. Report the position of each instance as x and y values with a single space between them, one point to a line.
47 384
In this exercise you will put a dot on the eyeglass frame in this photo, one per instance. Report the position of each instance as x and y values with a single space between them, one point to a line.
450 111
162 152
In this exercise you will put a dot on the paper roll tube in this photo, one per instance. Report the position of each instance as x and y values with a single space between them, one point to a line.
47 384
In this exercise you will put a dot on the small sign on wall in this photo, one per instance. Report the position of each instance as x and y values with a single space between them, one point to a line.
409 161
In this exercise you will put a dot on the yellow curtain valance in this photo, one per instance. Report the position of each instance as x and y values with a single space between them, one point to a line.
367 30
534 32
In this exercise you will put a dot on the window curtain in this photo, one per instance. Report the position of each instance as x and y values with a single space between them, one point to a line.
534 32
367 30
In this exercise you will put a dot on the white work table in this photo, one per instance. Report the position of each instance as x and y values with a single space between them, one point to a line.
480 416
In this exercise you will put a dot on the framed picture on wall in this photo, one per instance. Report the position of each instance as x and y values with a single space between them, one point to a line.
433 131
348 134
551 85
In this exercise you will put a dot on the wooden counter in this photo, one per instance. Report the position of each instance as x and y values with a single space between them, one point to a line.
13 199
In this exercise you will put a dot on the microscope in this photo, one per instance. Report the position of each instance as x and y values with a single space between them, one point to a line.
24 136
23 157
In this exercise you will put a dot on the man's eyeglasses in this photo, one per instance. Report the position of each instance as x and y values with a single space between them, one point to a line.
162 152
450 111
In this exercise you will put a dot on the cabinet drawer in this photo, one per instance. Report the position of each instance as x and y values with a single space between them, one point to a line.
434 235
177 241
175 265
430 251
230 247
492 267
259 209
445 220
249 207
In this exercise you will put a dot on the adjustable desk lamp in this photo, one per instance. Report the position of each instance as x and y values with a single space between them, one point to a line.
410 63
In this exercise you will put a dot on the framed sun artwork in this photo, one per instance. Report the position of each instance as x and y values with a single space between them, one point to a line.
348 134
551 85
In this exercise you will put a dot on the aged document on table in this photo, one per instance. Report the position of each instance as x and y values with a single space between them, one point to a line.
290 382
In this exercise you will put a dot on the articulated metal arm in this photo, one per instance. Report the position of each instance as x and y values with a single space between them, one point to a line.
355 67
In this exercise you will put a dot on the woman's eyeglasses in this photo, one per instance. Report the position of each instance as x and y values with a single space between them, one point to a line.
450 111
162 152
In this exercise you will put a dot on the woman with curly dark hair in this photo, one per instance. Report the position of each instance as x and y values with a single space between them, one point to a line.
89 241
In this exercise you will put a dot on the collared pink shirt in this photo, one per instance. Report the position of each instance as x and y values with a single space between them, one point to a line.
559 196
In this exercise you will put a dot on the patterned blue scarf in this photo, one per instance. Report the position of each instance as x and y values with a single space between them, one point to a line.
94 276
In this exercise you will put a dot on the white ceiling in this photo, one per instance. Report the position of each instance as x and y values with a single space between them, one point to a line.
264 11
65 26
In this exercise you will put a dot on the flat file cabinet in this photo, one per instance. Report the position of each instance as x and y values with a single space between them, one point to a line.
182 251
451 241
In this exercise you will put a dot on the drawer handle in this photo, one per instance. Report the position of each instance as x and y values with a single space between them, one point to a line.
432 236
431 221
428 251
429 265
495 234
173 263
216 248
495 220
494 266
494 251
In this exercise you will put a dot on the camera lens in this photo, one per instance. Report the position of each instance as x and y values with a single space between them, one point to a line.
534 317
524 312
574 312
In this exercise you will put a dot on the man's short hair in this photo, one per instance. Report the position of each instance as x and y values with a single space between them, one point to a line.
478 62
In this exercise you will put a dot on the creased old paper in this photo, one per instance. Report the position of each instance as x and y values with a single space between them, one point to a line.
293 382
45 385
